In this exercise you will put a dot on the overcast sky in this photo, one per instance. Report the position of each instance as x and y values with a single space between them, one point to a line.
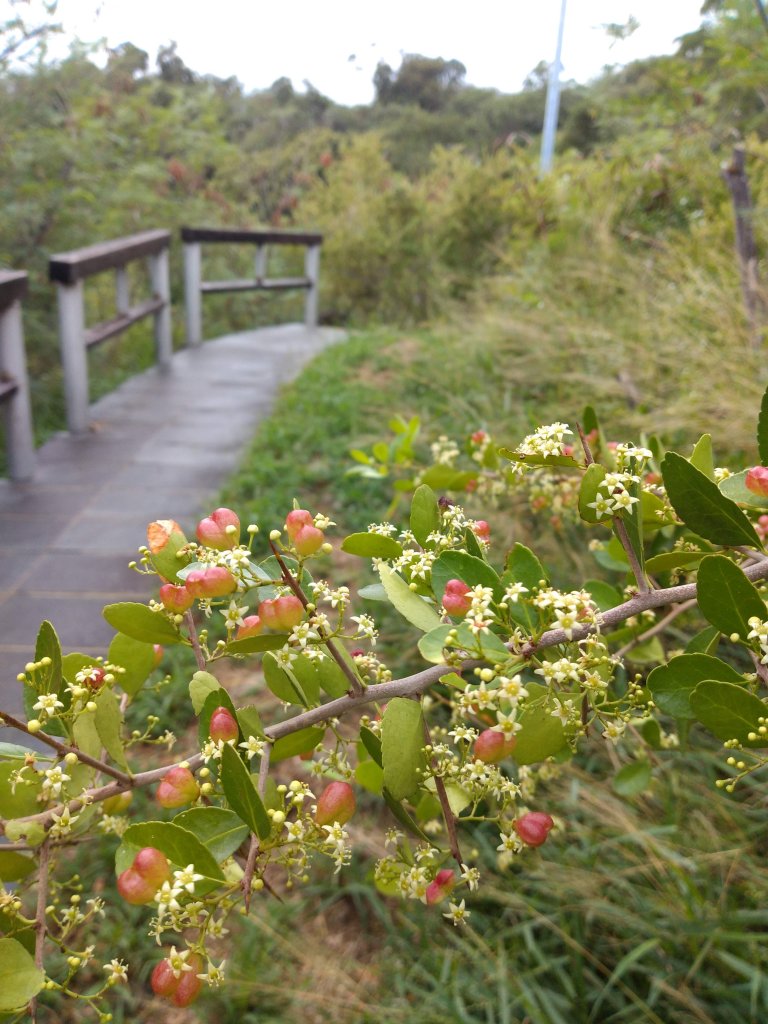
336 44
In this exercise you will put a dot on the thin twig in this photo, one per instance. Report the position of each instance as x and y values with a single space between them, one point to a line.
253 851
40 929
761 670
657 627
620 530
588 456
63 749
354 683
445 806
195 641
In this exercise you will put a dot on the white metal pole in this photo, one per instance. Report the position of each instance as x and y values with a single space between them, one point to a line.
192 297
160 279
74 355
552 107
17 414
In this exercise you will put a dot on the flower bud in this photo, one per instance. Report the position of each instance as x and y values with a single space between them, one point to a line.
252 626
215 581
336 804
492 746
533 827
456 600
223 725
158 654
175 599
295 520
216 531
281 613
441 887
177 787
757 480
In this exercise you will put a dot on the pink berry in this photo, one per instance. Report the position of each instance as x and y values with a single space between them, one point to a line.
296 519
189 985
160 532
219 530
158 652
308 540
757 480
134 889
441 887
336 804
456 599
175 599
482 530
281 613
533 827
215 581
492 746
163 981
252 626
223 725
152 865
177 787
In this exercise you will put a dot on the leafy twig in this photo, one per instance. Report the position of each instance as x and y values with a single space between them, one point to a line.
250 864
445 806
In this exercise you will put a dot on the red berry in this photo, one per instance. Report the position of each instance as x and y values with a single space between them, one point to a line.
281 613
492 746
159 533
134 889
456 599
177 787
482 530
158 654
223 725
152 864
308 540
189 985
441 887
533 827
336 804
95 677
163 981
219 530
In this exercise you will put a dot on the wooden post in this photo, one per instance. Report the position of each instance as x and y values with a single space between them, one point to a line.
122 291
260 266
735 177
312 273
74 355
192 297
19 437
160 280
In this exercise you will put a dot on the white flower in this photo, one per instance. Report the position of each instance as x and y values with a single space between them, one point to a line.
186 878
118 971
253 746
457 912
48 703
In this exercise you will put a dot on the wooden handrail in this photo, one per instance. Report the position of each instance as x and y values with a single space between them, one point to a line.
78 264
14 285
257 237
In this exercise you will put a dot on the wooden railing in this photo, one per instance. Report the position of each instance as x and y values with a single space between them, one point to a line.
14 386
195 287
69 270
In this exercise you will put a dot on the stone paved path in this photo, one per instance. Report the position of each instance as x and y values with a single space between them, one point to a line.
161 447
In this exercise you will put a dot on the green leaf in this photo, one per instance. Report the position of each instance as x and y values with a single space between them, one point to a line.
762 429
49 678
108 720
566 461
370 776
256 644
372 545
443 478
632 779
524 567
241 793
404 817
14 866
20 980
249 720
425 514
201 685
138 622
179 845
603 594
73 662
137 658
703 508
410 605
86 735
541 735
726 597
702 457
729 711
306 674
17 751
373 592
296 743
735 488
279 682
372 744
670 560
456 565
402 746
331 676
473 545
672 684
217 828
592 480
704 642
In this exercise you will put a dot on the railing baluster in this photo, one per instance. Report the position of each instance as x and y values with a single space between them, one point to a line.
17 415
192 297
312 272
74 355
161 286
